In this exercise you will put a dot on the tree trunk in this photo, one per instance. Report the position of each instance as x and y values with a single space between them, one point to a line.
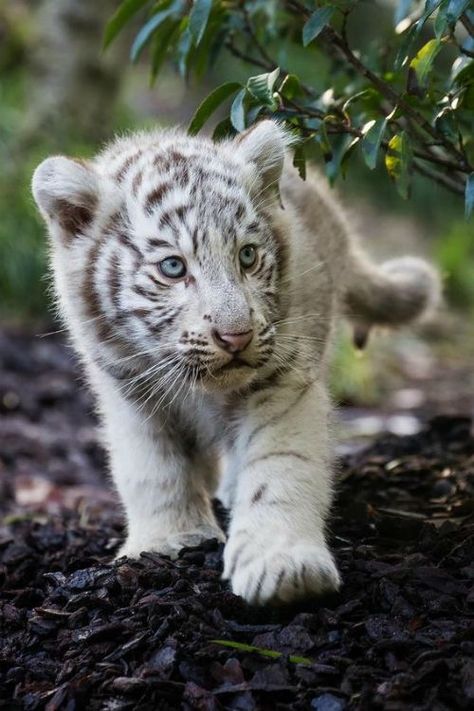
74 84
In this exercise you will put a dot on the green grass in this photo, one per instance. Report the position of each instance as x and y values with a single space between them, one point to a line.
352 374
454 252
24 290
240 647
22 246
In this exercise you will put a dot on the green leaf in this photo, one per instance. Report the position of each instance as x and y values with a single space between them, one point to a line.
398 161
241 647
143 37
469 195
261 87
348 152
321 137
340 144
423 61
299 160
371 142
198 18
120 18
316 23
237 111
405 46
168 33
223 129
441 20
210 104
253 113
430 7
455 9
290 87
413 32
183 50
445 122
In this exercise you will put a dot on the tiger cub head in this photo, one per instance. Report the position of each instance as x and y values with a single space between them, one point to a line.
166 253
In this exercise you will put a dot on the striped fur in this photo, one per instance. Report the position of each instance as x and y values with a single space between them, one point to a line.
176 405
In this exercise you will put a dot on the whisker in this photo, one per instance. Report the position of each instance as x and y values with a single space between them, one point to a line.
319 265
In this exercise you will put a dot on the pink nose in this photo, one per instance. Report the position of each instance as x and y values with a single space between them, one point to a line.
232 342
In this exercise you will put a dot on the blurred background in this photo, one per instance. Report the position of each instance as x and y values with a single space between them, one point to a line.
60 93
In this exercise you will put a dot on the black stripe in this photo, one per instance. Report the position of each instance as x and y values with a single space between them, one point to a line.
166 321
259 493
262 458
156 242
114 278
136 183
155 197
260 581
146 293
126 165
195 240
125 240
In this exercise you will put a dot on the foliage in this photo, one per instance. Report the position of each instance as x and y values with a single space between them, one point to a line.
354 374
409 93
272 654
22 244
454 253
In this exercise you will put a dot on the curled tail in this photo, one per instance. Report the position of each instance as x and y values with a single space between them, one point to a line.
396 292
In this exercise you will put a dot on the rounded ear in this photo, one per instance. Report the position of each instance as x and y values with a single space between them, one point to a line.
67 193
265 145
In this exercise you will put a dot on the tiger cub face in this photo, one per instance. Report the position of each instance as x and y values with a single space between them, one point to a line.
171 252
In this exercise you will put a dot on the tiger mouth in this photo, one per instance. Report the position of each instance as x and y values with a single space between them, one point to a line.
235 364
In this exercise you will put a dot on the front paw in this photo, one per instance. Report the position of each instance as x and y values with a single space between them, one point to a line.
171 544
264 571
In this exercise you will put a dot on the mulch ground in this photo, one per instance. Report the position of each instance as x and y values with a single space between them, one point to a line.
77 632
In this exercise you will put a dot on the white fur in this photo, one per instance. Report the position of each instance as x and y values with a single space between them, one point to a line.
172 416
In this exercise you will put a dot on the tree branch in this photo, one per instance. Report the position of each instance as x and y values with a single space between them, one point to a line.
439 178
236 52
468 25
393 97
336 40
423 154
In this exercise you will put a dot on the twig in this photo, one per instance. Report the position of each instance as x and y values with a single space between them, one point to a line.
468 25
247 57
440 178
336 40
416 121
392 95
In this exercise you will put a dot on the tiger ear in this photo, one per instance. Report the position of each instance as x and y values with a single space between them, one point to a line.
265 145
67 194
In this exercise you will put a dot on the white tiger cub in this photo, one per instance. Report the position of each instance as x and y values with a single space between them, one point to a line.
201 301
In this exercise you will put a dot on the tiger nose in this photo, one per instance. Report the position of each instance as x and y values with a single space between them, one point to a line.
232 342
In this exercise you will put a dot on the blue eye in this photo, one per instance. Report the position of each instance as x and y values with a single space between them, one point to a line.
248 256
172 267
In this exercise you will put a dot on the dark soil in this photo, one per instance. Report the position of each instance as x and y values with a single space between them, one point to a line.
80 633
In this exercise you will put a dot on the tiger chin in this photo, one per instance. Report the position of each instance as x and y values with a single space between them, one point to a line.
201 300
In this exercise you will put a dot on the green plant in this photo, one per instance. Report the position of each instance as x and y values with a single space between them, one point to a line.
408 93
454 252
241 647
22 246
352 375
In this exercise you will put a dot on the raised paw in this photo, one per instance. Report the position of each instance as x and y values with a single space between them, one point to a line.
278 573
172 544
